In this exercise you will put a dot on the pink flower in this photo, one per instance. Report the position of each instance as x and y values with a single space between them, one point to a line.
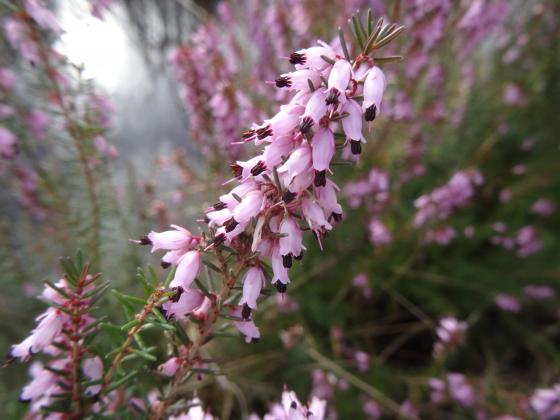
246 327
42 385
49 327
291 241
93 370
173 240
185 302
8 79
315 110
299 80
362 361
507 303
374 86
38 123
339 77
187 270
249 207
314 215
451 334
43 16
298 162
543 207
538 292
170 367
323 148
546 402
19 38
311 57
252 285
378 233
528 241
104 148
8 146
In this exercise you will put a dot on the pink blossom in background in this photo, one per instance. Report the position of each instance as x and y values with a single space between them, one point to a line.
451 334
371 409
38 123
104 148
519 169
378 233
8 143
513 95
505 195
455 387
361 359
440 236
528 242
507 303
8 79
543 207
290 408
99 7
361 282
538 292
545 402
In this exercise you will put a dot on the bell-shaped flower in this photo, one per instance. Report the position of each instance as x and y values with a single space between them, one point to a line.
326 197
314 215
187 270
299 80
311 57
241 190
315 109
323 149
189 300
249 207
43 383
49 327
279 271
298 162
374 86
246 327
170 367
352 123
93 370
280 147
299 183
252 285
339 78
172 240
290 244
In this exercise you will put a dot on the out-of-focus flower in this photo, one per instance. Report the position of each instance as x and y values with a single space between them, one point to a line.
451 334
527 240
538 292
8 143
543 207
545 402
507 302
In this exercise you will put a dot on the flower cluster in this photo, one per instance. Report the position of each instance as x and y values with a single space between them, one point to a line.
451 334
61 333
438 205
454 387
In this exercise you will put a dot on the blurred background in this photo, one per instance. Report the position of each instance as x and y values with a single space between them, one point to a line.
437 294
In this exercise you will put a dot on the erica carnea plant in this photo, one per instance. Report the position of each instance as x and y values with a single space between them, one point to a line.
254 234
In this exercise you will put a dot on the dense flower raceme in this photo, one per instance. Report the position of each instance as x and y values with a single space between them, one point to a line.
286 189
435 207
61 328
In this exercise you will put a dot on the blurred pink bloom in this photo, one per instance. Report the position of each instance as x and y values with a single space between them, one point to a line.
378 233
451 334
104 148
507 303
519 169
546 402
528 241
170 367
371 409
538 292
505 195
543 207
43 16
93 370
362 361
38 123
361 282
8 143
513 95
8 79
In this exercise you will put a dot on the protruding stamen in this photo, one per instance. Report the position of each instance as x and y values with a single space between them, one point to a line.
355 147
